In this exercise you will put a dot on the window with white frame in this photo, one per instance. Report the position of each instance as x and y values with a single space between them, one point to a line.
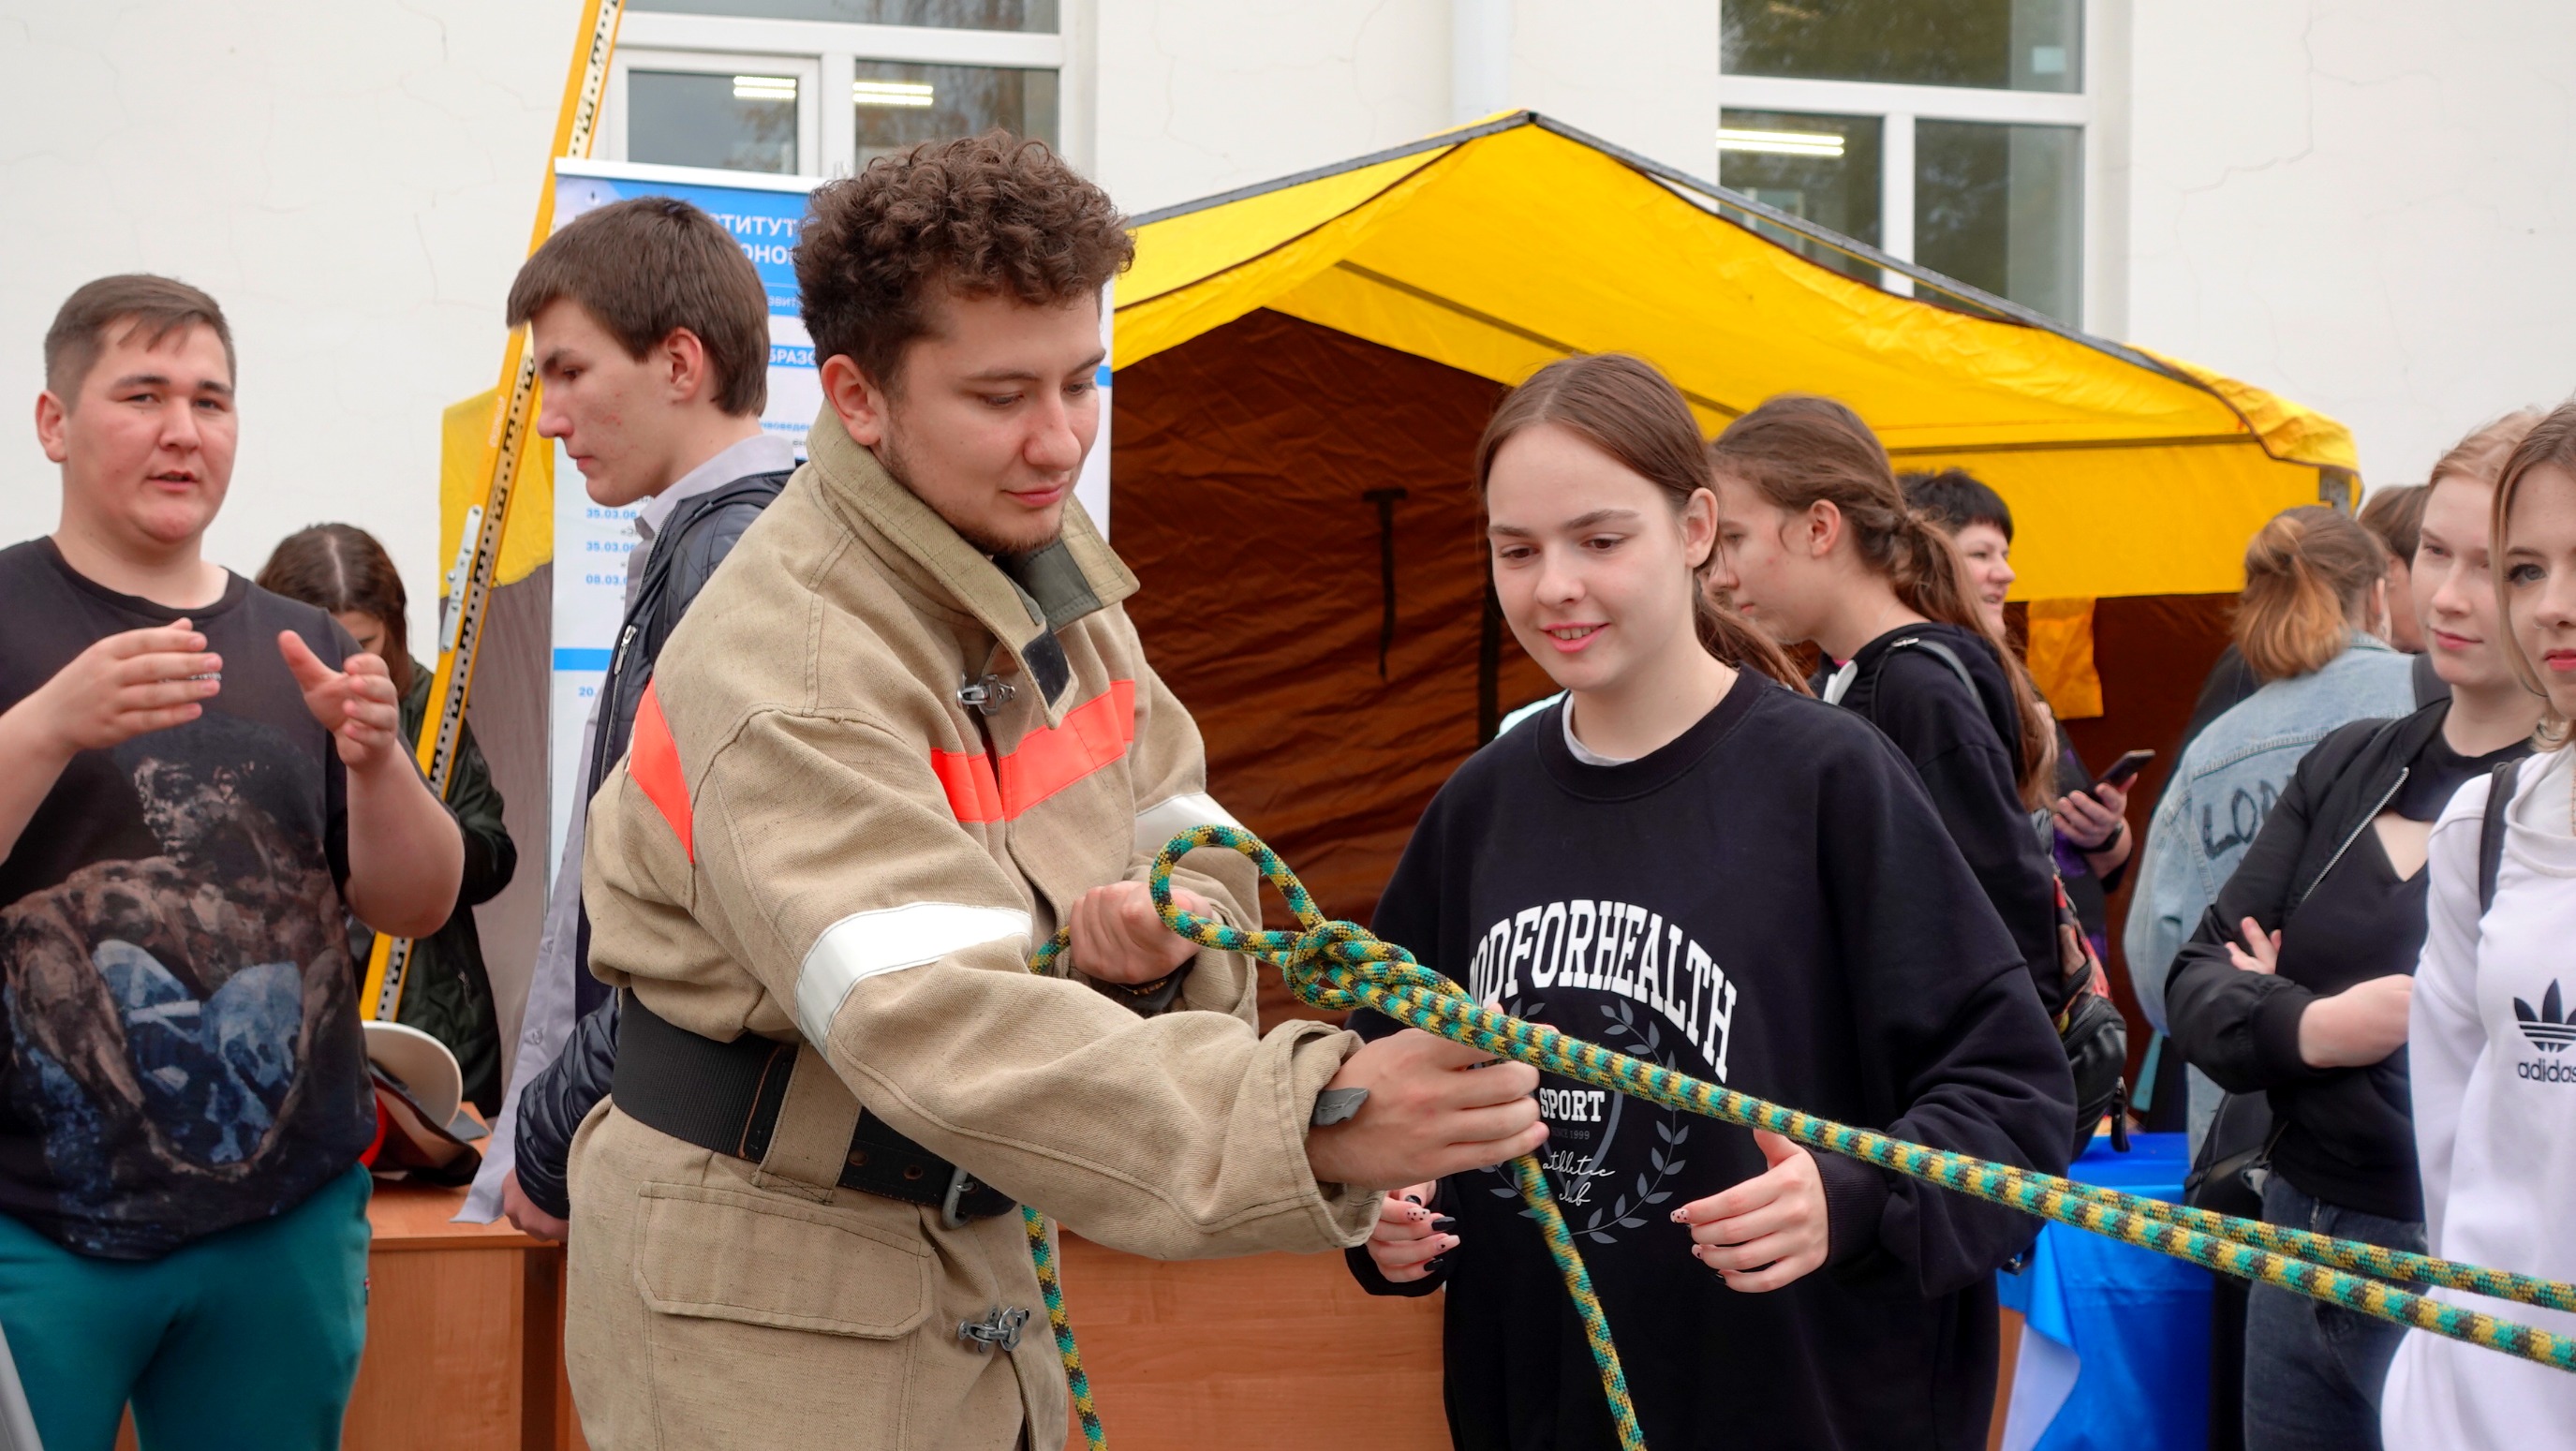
822 87
1950 133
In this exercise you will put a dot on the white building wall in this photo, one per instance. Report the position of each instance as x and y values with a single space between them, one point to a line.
1641 74
2361 204
354 182
1197 97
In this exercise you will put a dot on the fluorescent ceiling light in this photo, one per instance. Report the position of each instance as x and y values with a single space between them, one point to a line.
764 88
891 93
1826 144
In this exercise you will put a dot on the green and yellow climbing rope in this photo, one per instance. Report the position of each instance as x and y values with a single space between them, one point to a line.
1338 966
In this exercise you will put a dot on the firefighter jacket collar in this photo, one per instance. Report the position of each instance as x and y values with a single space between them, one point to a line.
1023 599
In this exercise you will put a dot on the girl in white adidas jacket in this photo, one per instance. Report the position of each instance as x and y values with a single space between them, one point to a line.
2494 1078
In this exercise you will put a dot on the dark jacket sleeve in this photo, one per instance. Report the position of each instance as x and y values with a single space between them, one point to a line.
2241 1027
1954 1048
491 858
554 1103
701 544
1975 785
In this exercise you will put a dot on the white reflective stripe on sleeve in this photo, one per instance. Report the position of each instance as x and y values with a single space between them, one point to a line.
1164 820
864 944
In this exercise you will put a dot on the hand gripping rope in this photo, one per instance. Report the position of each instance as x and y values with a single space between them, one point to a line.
1338 966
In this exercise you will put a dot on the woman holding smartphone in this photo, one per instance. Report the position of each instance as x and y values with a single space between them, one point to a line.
2086 828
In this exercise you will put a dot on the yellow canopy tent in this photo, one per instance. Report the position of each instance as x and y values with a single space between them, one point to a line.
1507 245
1303 367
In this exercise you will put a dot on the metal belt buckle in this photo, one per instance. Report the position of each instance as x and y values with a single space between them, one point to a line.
960 1184
998 1327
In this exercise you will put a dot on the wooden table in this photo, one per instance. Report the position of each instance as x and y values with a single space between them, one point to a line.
465 1345
464 1333
1273 1350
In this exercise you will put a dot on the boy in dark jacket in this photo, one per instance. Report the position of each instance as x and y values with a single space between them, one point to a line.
651 330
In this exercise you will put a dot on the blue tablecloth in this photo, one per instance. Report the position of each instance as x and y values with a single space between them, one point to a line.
2129 1327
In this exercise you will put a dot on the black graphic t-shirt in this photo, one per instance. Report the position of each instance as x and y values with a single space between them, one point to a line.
181 1049
1768 902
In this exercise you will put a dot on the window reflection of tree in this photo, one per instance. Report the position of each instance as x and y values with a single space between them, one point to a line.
1919 42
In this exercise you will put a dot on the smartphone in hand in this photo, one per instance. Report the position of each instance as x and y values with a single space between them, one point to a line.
2125 769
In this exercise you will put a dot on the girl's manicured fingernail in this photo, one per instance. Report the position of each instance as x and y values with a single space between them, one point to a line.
1444 1224
1435 1264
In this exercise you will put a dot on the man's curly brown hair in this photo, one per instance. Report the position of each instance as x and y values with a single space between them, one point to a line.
982 216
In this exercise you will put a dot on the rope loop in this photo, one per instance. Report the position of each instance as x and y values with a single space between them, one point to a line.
1339 966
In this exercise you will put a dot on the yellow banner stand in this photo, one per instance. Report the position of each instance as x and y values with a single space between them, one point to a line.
506 446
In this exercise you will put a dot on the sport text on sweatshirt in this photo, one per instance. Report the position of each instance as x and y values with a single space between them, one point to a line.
1768 902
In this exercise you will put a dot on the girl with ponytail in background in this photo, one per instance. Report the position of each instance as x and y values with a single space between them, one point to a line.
1690 861
1818 545
2313 625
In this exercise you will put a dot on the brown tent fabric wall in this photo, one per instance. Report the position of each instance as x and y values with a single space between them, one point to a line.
1242 465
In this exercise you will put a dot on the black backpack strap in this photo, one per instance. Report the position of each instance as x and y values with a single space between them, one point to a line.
2491 832
1937 651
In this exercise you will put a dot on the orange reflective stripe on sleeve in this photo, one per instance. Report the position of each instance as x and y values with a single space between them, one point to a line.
653 760
1095 735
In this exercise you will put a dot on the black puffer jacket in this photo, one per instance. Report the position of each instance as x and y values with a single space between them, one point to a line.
2345 1134
555 1102
697 537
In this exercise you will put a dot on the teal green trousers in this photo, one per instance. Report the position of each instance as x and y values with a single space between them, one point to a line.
246 1340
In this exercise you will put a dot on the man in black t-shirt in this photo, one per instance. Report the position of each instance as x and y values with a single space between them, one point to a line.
195 775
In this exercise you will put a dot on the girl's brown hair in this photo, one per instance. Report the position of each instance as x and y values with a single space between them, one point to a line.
1798 450
2550 443
338 568
1623 407
2308 575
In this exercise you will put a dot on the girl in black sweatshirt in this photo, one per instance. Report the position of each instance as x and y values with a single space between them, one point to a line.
1699 865
1817 543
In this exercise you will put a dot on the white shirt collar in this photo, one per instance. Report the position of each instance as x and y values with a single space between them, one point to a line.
1582 752
762 453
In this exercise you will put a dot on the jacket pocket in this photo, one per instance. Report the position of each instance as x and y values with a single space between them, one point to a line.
734 1254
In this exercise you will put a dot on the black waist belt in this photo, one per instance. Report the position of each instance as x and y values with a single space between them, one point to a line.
725 1097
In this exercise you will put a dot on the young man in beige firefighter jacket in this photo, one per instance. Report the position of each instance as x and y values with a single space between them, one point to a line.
905 734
